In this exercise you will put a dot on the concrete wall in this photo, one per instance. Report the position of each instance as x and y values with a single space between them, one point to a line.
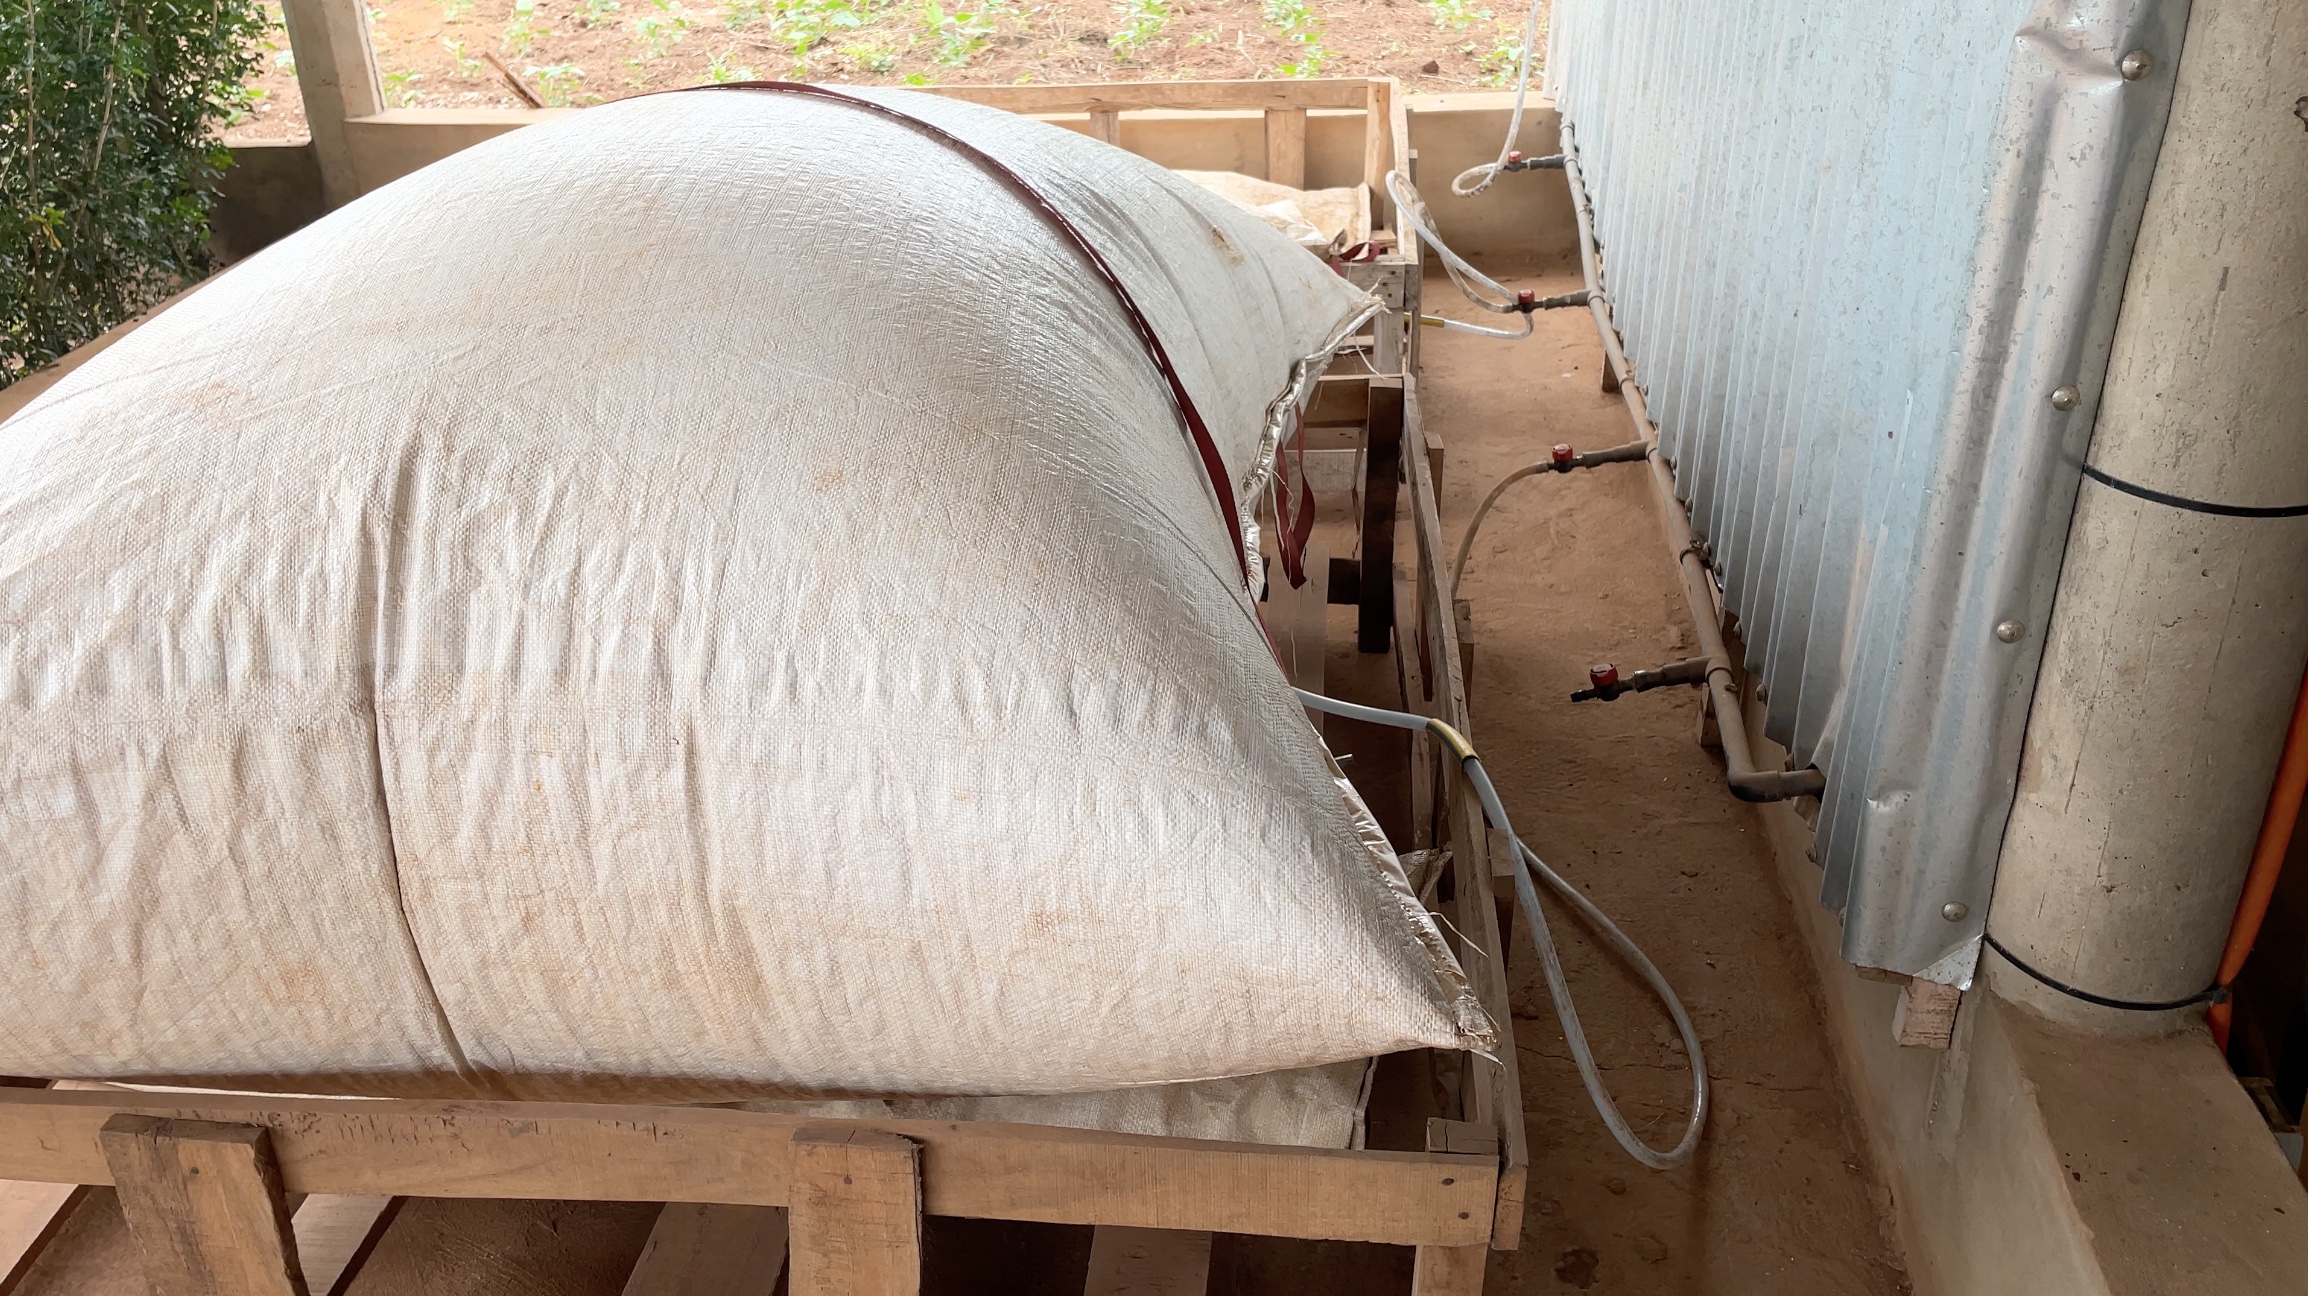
277 187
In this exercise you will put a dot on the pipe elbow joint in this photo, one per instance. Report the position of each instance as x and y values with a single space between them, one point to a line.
1761 786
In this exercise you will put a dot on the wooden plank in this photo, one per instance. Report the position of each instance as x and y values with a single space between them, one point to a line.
1925 1015
1449 1271
1106 124
1286 147
1496 1098
1340 400
856 1227
1135 96
611 1152
1148 1262
1378 143
1463 622
703 1250
205 1204
31 1215
1453 1271
1465 1137
335 1235
1374 628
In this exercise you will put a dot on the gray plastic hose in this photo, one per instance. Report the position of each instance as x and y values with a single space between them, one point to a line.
1528 863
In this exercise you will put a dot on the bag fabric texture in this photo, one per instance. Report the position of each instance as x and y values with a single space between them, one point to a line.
703 598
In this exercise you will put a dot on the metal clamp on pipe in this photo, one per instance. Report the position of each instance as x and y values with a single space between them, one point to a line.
1605 684
1747 782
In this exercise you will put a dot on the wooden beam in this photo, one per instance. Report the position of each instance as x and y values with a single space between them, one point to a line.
205 1204
1494 1094
1147 1262
857 1213
337 1234
1204 96
1449 1271
31 1215
1925 1015
1452 1271
1286 147
1374 629
701 1250
610 1152
337 77
1106 124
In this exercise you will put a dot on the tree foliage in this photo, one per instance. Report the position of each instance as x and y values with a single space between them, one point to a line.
109 160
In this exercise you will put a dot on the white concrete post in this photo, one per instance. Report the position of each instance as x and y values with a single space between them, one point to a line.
337 75
2180 627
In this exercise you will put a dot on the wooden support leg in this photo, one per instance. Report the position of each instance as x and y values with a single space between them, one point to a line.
204 1202
31 1215
1148 1262
698 1250
856 1219
1286 146
1106 126
335 1235
1449 1271
1374 628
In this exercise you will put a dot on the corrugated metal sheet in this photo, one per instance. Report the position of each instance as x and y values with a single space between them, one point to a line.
1854 247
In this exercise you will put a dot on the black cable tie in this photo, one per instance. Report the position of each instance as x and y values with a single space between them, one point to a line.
2210 994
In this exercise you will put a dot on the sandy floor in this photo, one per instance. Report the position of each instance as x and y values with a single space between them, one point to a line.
1619 796
1622 800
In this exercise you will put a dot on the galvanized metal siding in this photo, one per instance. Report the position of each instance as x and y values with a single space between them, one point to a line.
1854 246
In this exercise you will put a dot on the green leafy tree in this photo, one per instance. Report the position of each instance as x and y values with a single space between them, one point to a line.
109 160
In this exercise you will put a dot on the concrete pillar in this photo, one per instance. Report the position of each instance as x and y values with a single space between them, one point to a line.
2177 639
337 75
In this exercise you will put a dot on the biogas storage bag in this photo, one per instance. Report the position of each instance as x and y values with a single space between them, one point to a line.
708 596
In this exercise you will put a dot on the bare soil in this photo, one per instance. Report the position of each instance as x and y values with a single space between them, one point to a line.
432 52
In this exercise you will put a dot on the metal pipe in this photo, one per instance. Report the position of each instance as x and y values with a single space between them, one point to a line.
1747 782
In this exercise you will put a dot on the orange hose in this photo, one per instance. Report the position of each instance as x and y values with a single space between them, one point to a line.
2267 861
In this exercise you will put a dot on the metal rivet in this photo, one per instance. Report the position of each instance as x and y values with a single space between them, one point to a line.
2137 64
1955 911
2066 398
2009 631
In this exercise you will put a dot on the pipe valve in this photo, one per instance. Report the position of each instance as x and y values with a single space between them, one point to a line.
1604 683
1517 162
1527 301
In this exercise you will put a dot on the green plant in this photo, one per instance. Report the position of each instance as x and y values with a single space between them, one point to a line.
1455 15
462 56
525 28
454 11
1498 63
1294 22
963 32
806 24
661 31
738 15
398 93
719 70
109 160
1142 20
917 79
556 82
876 59
595 13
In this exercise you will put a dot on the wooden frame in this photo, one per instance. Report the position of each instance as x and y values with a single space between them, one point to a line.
844 1198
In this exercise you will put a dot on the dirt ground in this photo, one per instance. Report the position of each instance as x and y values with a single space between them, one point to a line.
1620 797
1622 800
435 53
